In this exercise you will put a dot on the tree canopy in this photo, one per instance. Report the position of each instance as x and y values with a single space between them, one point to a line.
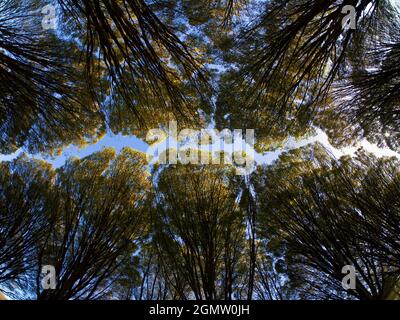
112 225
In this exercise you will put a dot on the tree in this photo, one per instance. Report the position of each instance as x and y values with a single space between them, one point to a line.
199 232
99 211
135 66
325 215
138 50
84 220
24 187
297 65
373 86
44 101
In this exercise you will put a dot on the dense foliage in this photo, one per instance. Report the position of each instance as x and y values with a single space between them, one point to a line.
115 227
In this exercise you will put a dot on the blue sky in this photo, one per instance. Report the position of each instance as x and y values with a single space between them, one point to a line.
118 142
